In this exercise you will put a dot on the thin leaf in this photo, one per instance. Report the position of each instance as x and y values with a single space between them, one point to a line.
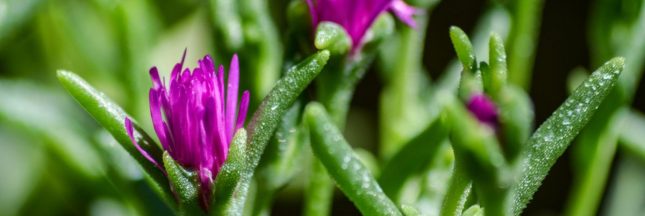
458 192
264 123
185 185
476 147
496 79
231 186
112 118
351 176
464 48
412 158
319 191
516 119
553 137
522 41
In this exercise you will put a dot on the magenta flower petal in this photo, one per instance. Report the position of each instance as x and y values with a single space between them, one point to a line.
404 12
231 97
356 16
130 131
484 110
194 117
244 106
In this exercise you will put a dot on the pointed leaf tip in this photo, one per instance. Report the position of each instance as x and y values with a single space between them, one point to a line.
342 164
463 47
554 136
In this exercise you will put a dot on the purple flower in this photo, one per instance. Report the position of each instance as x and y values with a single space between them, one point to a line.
484 110
196 116
356 16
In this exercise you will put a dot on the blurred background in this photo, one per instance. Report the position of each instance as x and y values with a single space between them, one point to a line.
55 160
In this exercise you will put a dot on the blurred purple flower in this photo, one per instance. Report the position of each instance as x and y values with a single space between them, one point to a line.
484 109
356 16
196 117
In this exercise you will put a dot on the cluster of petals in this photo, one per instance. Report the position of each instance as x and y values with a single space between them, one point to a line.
196 116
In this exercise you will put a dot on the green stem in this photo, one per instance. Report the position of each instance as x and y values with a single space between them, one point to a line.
522 41
320 191
400 105
335 90
340 161
458 191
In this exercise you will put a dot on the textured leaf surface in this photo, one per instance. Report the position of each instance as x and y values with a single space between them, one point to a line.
185 185
263 124
553 137
230 185
351 176
463 47
112 118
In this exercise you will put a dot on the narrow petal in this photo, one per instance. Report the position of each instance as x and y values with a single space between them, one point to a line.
177 69
231 96
206 183
244 106
156 81
157 119
314 14
130 131
404 12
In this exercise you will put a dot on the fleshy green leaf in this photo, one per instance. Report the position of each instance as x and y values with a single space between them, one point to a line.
412 158
457 193
264 123
476 147
553 137
112 118
231 186
319 191
470 81
516 119
351 176
523 40
266 118
185 185
496 79
464 48
332 37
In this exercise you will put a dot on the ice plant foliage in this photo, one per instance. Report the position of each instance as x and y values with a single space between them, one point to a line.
196 116
484 109
356 16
